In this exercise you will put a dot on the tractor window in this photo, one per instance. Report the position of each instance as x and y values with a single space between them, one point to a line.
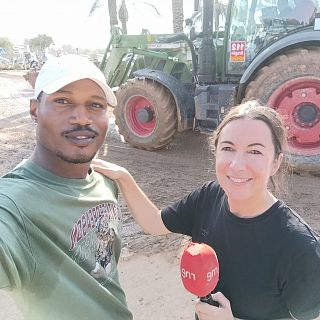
219 16
255 24
198 23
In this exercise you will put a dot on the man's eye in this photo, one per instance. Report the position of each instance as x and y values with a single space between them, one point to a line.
61 101
98 106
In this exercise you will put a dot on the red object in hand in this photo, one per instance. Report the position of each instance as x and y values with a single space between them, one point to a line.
199 269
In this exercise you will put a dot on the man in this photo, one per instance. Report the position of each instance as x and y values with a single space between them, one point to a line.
59 220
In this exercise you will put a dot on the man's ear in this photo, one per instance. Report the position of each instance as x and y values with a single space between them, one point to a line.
34 105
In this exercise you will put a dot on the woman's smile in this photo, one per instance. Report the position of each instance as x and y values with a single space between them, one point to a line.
238 181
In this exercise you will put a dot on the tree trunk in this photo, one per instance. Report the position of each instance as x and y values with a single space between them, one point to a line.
177 16
123 16
112 8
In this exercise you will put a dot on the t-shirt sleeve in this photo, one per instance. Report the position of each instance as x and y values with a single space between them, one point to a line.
116 190
302 288
4 279
16 259
181 217
112 185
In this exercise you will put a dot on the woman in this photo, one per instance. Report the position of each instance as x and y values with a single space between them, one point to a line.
269 257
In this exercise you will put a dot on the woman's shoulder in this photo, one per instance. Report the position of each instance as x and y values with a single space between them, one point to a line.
299 232
209 191
211 186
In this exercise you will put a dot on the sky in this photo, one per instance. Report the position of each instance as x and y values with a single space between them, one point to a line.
68 21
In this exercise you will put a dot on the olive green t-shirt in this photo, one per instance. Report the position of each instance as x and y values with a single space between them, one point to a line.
60 245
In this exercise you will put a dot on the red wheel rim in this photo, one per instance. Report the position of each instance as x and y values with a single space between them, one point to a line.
298 102
140 115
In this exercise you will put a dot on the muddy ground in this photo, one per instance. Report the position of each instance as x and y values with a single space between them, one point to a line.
165 176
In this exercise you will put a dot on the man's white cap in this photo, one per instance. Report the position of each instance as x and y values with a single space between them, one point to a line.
58 72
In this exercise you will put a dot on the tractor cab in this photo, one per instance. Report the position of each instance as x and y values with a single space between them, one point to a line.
262 49
242 29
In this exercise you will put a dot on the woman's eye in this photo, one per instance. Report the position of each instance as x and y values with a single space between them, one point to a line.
255 152
226 149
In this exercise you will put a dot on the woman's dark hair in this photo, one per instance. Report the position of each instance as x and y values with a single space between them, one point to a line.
253 110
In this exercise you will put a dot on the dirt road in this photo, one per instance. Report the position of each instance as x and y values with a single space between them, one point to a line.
149 264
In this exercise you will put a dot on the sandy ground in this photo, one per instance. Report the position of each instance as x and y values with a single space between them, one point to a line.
149 266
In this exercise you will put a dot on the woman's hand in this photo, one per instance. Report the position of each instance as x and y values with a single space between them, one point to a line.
207 312
110 170
146 214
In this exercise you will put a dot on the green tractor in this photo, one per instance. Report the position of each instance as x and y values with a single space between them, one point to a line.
232 51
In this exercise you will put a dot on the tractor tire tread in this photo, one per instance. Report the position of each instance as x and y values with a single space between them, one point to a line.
289 65
166 117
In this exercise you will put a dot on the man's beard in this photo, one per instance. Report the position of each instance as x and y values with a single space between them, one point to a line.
75 159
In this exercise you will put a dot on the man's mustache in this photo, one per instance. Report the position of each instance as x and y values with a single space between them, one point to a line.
80 128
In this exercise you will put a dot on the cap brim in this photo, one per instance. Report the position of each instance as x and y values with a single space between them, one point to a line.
62 82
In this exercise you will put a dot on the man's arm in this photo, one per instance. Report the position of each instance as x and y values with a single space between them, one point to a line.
144 211
17 262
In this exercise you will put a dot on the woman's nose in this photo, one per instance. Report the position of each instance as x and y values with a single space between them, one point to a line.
238 161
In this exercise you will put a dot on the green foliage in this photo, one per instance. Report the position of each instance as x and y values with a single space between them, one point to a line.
7 45
41 42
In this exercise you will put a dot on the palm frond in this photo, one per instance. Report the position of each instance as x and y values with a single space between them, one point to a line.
94 7
153 6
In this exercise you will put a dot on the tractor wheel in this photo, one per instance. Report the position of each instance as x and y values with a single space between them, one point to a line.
146 114
291 85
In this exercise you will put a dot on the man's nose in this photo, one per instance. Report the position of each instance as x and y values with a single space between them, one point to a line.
80 115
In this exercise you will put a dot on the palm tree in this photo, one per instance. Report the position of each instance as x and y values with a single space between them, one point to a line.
112 9
177 13
123 16
177 16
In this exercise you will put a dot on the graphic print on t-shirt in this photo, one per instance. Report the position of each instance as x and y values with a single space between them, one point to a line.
103 255
95 232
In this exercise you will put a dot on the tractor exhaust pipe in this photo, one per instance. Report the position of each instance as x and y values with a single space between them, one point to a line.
207 16
206 58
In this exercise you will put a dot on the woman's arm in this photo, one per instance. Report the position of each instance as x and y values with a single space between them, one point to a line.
145 213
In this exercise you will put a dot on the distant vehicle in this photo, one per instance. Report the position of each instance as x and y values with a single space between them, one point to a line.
34 65
19 64
5 64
